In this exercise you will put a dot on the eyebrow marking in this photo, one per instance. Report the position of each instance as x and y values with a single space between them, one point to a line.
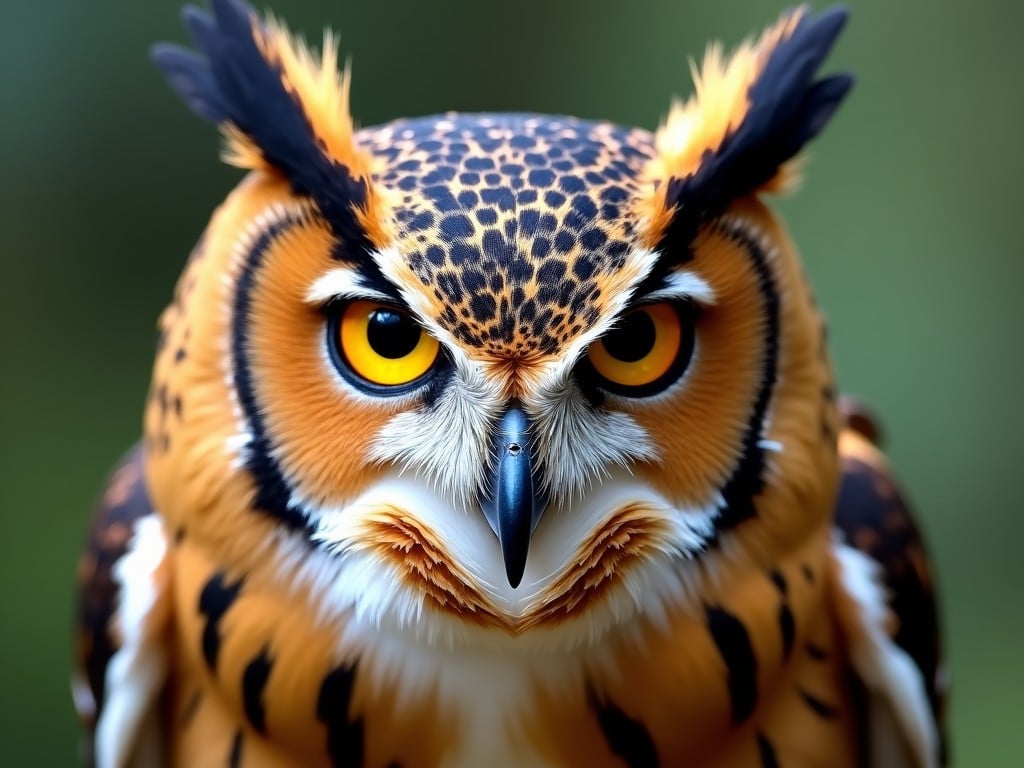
342 282
683 284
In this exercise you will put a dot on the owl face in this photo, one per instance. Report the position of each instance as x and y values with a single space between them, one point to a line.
471 373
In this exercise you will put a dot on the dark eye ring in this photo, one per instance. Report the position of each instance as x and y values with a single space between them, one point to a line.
380 348
646 351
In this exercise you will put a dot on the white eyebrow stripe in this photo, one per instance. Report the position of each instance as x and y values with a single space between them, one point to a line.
684 284
342 283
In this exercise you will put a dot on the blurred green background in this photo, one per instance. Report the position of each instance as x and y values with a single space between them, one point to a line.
909 222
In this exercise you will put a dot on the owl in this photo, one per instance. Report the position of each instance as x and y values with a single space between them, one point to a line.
502 440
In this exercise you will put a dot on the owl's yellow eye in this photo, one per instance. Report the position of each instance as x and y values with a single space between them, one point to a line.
646 351
382 345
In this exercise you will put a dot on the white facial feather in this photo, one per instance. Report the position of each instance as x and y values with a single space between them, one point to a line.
684 284
358 587
342 283
577 446
448 443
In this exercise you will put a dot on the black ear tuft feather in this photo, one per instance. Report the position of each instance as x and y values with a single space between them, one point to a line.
787 109
230 81
187 74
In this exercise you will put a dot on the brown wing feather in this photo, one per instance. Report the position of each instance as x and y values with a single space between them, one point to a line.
124 501
875 517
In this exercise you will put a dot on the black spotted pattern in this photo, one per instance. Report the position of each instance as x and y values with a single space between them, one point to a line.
819 706
215 601
510 221
733 643
344 733
191 708
235 755
254 680
787 623
815 651
766 751
875 518
626 737
124 501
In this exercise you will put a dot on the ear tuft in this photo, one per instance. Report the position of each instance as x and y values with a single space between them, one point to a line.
280 110
749 118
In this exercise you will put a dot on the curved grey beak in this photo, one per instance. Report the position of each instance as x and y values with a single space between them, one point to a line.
514 508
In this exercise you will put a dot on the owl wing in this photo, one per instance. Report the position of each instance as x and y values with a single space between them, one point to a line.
886 606
122 618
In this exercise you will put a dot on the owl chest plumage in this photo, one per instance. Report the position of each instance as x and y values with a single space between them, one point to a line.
260 680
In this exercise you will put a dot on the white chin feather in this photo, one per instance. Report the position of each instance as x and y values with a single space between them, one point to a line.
364 592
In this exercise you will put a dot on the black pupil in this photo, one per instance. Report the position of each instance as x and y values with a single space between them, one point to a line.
392 334
632 339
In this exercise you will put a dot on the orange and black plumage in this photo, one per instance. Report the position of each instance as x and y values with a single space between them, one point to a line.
501 440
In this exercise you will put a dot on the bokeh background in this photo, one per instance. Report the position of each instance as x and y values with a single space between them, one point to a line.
909 221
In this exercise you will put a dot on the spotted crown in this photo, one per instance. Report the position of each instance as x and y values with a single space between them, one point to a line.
511 220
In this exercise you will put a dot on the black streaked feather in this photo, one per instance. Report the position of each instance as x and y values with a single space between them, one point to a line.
186 75
254 682
787 621
230 81
766 751
787 109
215 600
815 651
819 706
626 737
98 592
733 642
191 708
874 516
345 737
235 755
273 494
746 481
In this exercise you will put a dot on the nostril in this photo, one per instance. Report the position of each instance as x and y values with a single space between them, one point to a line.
514 449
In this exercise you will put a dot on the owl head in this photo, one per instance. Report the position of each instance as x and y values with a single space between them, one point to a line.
499 371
